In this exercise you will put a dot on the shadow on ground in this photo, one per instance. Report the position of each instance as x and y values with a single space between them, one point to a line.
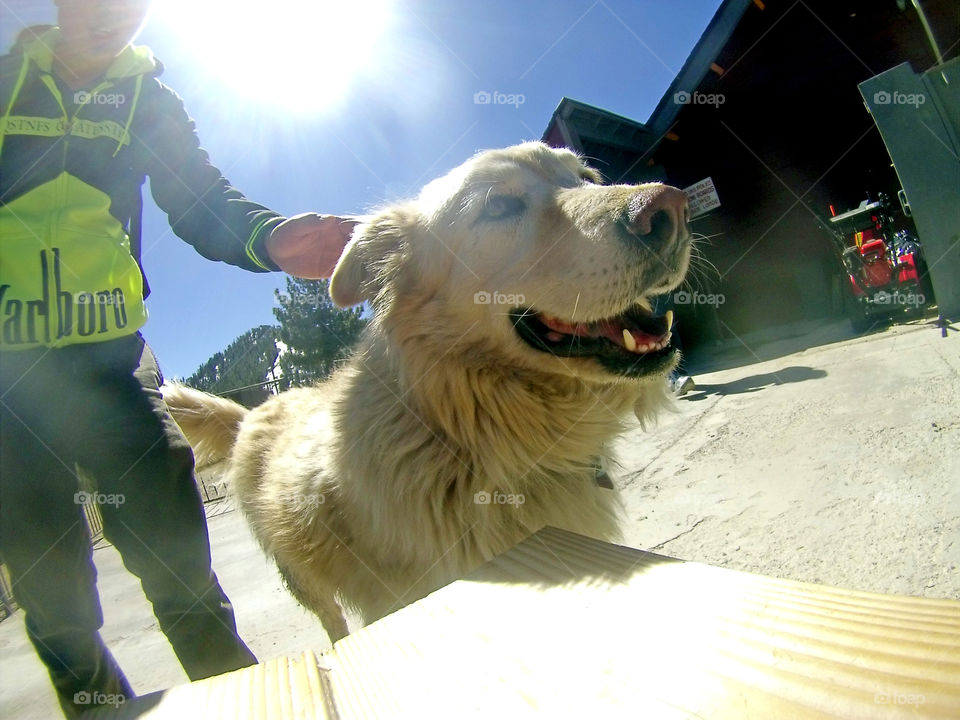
772 343
753 383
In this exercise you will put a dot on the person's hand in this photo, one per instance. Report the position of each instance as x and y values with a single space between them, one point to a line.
309 245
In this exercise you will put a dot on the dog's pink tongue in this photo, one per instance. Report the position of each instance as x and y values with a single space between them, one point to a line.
564 327
613 330
610 329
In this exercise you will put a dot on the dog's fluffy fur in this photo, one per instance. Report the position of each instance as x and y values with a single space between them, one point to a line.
368 489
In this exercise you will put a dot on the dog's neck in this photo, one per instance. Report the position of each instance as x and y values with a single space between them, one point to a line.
495 422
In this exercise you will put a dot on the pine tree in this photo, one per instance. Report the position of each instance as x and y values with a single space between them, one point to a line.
315 332
248 362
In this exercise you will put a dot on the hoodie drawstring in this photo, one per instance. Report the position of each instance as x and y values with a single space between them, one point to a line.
133 107
21 78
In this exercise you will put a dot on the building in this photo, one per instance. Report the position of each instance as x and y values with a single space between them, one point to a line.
767 106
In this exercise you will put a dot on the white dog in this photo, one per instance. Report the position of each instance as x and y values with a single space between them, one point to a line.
511 335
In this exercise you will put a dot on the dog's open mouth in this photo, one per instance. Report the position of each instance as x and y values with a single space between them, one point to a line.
634 343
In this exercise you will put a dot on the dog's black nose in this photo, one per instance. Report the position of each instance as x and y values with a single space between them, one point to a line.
657 214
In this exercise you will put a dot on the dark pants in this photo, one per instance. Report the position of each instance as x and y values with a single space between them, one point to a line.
98 407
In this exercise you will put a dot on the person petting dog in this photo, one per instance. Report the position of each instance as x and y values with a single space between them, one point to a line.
79 387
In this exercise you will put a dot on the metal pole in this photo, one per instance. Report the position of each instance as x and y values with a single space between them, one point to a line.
929 31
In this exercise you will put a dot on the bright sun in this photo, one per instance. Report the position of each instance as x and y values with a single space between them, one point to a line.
301 54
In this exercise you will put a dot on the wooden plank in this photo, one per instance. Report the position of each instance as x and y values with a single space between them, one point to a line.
566 626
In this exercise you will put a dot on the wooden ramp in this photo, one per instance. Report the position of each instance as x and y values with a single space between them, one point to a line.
563 626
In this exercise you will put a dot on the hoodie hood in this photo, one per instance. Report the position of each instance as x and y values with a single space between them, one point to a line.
133 59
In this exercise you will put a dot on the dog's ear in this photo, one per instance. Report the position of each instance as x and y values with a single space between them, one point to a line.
350 274
366 261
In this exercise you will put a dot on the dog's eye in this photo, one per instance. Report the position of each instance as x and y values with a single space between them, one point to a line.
501 207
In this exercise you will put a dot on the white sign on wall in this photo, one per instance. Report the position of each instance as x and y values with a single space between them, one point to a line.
703 197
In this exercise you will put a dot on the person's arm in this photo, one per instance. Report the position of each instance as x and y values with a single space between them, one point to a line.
216 218
203 209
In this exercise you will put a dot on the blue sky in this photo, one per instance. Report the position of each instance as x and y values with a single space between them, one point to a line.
405 116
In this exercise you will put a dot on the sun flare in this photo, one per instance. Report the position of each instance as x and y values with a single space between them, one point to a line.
301 54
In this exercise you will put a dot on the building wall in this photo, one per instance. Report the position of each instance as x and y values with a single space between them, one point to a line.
784 133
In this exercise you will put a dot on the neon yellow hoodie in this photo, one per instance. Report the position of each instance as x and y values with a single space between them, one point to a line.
72 165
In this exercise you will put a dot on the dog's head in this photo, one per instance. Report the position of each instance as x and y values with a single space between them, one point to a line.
519 257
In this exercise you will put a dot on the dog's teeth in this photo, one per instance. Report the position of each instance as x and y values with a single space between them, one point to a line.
669 316
629 341
645 304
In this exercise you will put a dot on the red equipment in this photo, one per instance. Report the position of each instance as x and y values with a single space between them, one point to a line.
885 270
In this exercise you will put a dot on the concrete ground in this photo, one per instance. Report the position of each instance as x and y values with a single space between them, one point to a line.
838 464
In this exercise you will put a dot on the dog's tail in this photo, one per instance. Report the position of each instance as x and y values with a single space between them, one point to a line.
210 423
